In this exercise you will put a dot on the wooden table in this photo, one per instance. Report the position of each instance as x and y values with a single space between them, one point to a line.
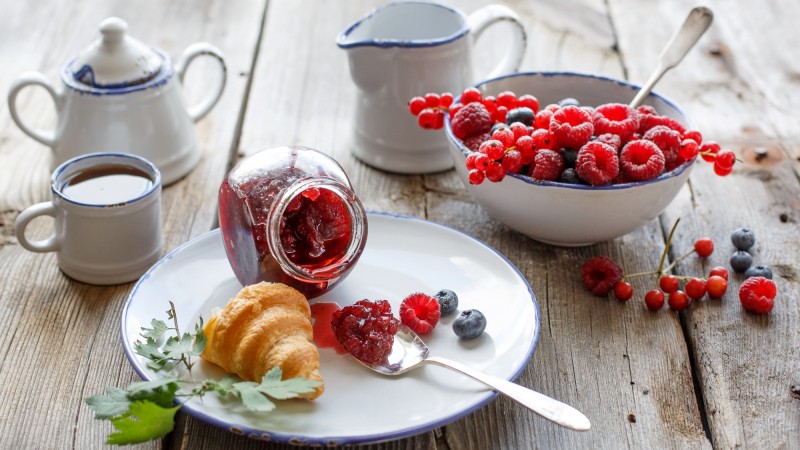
713 376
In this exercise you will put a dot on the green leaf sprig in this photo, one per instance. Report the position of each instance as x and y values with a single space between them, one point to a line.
146 409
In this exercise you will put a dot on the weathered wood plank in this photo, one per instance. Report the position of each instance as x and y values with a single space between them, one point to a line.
60 340
738 85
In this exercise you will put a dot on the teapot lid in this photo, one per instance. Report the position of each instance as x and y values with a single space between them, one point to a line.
115 60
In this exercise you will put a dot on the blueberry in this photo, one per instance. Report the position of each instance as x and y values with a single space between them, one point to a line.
758 271
522 114
570 176
743 238
448 301
497 126
570 156
469 324
569 102
740 261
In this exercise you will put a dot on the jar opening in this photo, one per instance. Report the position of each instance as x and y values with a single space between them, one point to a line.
316 229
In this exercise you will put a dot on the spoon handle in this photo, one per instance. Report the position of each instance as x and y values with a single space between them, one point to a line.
541 404
696 23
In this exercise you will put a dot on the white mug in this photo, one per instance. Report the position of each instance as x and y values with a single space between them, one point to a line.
410 48
107 211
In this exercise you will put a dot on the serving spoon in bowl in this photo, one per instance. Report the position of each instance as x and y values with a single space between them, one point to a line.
409 352
696 23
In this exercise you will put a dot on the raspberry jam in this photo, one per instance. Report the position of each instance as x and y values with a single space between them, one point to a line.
322 316
289 215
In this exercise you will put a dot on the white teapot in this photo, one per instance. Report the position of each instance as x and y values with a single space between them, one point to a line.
120 95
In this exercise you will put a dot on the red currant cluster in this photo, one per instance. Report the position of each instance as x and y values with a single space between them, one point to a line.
430 109
565 142
602 275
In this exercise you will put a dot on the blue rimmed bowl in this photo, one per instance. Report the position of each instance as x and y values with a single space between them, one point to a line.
566 214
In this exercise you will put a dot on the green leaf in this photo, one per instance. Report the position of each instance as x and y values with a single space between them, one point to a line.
273 386
114 404
160 391
175 348
145 421
252 398
157 332
199 339
223 387
149 349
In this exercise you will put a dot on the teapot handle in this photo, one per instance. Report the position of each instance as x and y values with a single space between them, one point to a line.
33 79
481 19
199 111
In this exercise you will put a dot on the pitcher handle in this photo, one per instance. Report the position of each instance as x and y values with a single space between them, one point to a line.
23 219
47 138
199 111
490 14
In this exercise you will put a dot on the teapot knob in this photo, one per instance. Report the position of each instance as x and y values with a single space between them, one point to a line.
113 30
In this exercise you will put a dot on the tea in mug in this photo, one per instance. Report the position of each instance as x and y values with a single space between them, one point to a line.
107 185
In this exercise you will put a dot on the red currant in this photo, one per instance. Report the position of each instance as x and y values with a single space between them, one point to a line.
500 114
688 150
709 151
695 288
529 101
490 103
482 162
654 300
725 158
543 139
495 172
542 119
668 284
446 100
719 271
492 148
678 301
471 160
623 291
519 129
512 161
432 100
470 95
716 286
416 105
507 99
427 119
704 247
476 176
439 120
722 171
505 136
525 147
693 135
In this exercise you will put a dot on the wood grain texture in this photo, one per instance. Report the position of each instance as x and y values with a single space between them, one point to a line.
60 342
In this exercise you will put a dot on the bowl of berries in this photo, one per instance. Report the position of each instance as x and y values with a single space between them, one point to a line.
563 159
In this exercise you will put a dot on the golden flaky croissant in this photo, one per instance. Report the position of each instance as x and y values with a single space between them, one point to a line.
265 325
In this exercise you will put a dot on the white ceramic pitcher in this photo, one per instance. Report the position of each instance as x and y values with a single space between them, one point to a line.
122 96
406 49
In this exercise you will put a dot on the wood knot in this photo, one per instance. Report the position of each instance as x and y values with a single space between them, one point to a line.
795 391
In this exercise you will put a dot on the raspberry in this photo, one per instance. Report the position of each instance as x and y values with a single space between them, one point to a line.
641 160
571 126
678 301
610 139
472 119
704 247
600 275
669 142
654 300
419 312
366 329
597 163
616 118
547 165
474 142
757 295
623 291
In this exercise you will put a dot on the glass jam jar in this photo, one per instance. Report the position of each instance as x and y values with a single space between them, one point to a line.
289 215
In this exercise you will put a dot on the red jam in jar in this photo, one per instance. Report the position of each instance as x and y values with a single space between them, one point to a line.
289 215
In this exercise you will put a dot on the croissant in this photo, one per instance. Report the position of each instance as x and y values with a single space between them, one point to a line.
265 325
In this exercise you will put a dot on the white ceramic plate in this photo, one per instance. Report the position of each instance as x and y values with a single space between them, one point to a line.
402 255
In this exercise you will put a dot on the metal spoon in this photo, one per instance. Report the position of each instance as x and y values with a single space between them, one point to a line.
409 352
696 23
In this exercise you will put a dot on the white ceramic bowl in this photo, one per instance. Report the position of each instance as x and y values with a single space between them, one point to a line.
566 214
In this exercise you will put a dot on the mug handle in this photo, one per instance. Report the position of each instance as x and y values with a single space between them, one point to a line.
23 219
481 19
47 138
199 111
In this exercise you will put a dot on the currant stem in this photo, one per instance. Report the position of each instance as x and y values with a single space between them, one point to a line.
639 274
666 249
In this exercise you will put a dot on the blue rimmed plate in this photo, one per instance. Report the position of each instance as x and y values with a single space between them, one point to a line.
402 255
